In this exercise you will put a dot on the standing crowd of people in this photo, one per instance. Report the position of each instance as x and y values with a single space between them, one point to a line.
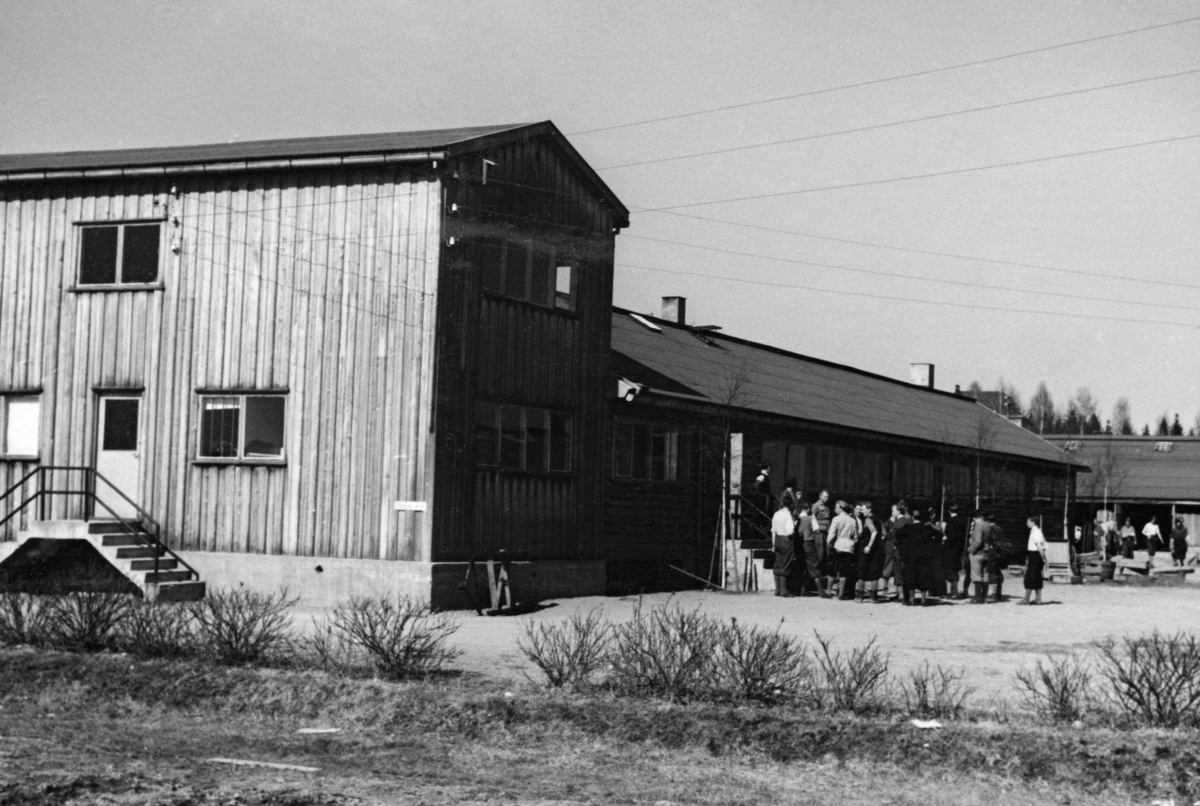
847 552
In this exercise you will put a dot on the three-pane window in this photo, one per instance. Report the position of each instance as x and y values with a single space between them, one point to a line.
522 438
20 415
526 270
242 427
651 452
119 254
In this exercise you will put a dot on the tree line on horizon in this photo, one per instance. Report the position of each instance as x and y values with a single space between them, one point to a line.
1080 415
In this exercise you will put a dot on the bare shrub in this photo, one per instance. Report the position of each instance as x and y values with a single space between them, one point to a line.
569 652
1057 690
403 636
934 692
758 664
327 649
236 626
158 630
1153 678
86 620
667 651
23 619
854 681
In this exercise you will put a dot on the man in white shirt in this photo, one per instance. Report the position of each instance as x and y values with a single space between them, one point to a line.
1035 561
1153 538
783 527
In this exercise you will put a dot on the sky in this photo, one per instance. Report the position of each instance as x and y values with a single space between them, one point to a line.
899 242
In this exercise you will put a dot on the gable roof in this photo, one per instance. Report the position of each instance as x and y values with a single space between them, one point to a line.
1136 470
452 142
783 383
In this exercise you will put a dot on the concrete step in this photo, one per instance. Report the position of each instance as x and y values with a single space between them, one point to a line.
181 591
122 540
148 565
168 576
138 552
56 530
112 527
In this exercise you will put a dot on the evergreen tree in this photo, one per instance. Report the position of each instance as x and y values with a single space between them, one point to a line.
1164 427
1121 419
1093 425
1146 430
1108 427
1176 427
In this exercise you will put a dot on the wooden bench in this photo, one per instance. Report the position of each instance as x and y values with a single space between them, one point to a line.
1174 571
1133 566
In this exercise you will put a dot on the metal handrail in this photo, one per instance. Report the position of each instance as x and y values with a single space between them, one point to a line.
152 540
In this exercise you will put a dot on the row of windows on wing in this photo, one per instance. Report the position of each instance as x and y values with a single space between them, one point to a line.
235 427
526 270
526 438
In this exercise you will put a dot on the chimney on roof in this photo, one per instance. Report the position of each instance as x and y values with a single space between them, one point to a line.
674 309
921 375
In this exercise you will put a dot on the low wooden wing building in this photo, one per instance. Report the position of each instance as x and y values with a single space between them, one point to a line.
341 364
682 393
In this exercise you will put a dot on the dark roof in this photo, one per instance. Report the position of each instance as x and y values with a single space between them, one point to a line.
783 383
1134 469
452 141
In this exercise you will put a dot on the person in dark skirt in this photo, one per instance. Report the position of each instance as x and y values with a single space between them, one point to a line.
1035 562
917 544
1128 540
898 520
870 554
954 546
1179 542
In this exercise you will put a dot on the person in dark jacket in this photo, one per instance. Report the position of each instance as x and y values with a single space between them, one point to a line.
954 544
1179 542
894 564
979 551
995 564
918 544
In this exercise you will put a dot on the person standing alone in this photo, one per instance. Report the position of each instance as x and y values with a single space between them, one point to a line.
1035 562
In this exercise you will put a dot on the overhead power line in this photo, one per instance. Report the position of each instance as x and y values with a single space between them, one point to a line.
884 80
931 175
905 122
902 276
888 298
927 252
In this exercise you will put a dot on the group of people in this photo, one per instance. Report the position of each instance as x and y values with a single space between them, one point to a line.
1124 542
849 553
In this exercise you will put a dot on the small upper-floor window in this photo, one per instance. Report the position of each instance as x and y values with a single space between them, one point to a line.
645 451
19 418
119 254
526 270
246 427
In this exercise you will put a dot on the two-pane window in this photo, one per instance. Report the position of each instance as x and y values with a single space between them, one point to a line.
248 427
645 451
19 416
119 254
526 270
522 438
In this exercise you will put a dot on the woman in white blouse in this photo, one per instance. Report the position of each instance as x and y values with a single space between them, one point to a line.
1035 561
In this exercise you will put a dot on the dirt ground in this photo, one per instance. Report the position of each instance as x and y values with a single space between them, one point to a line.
989 642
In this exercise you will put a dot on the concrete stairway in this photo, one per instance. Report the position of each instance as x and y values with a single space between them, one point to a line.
126 552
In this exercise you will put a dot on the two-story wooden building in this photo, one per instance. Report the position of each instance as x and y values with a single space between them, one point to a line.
342 364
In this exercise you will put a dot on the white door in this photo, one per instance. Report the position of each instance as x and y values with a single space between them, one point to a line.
117 456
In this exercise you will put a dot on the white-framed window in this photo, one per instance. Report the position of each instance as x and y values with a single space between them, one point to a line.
119 254
246 427
20 416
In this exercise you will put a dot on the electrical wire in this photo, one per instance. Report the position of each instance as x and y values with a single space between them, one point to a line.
885 298
931 175
881 273
874 81
877 126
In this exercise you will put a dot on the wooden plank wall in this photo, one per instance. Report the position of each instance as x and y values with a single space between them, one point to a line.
520 353
323 284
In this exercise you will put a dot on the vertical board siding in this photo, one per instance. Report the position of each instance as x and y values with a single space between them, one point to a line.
321 284
509 351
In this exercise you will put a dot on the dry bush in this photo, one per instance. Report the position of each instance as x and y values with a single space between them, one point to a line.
566 653
236 626
158 630
327 649
667 652
934 692
403 636
758 664
854 681
86 620
1058 690
23 619
1153 678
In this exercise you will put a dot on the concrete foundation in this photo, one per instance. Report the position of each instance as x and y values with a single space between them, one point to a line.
529 581
317 581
